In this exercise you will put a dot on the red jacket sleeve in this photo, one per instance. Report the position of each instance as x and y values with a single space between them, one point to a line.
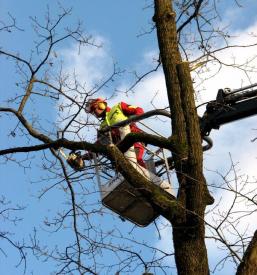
130 110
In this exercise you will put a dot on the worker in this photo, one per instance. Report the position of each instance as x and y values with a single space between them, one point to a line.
110 116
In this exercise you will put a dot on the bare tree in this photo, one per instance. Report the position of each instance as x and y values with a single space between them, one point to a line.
42 78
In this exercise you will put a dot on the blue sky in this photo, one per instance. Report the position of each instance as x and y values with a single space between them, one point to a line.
115 24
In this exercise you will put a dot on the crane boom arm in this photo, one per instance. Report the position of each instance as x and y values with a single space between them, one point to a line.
229 106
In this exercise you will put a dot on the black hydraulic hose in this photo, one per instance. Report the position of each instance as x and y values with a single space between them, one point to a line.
148 114
171 161
209 144
135 118
244 88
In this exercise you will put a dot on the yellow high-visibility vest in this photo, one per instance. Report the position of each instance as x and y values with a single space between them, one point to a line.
114 116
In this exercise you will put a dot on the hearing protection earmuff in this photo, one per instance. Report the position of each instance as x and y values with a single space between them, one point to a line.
101 105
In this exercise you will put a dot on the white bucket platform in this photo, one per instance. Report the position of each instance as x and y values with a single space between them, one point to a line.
124 199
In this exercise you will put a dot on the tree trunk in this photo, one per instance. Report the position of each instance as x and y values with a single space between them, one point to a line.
188 229
248 266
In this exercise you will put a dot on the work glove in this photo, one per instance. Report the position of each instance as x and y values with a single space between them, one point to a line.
87 156
76 161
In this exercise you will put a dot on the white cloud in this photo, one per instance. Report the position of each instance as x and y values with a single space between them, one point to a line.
90 64
229 76
150 91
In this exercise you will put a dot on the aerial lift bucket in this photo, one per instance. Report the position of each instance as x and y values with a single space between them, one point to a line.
124 199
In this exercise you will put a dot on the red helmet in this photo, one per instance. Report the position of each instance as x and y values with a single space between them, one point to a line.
92 103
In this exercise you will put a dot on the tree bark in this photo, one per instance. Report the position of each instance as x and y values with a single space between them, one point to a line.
248 266
189 237
164 18
188 229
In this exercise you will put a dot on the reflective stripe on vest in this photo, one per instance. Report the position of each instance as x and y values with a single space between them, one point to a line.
114 116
